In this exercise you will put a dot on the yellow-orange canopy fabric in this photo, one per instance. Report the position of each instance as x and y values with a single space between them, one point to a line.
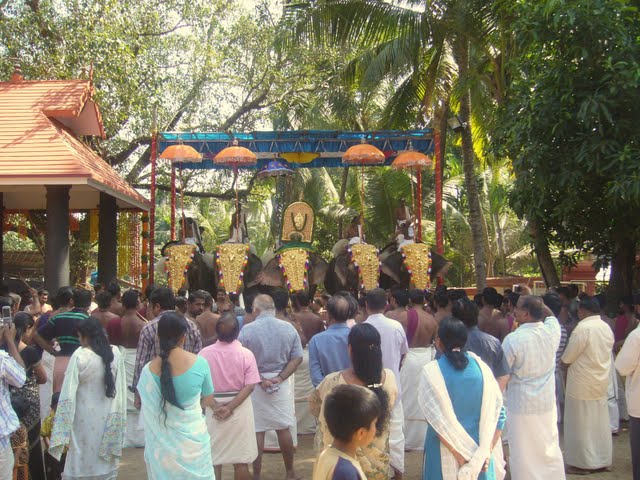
181 153
412 159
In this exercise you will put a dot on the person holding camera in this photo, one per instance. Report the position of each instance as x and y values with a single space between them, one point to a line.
11 374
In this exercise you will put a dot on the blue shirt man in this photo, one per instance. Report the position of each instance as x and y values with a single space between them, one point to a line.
328 350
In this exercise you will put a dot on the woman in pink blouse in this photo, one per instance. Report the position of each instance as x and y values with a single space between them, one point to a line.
235 374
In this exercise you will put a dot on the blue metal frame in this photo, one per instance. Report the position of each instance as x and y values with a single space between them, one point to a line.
329 144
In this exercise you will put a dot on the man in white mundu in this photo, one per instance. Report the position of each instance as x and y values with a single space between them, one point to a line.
278 351
530 397
587 433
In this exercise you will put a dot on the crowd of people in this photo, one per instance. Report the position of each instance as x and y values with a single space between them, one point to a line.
483 386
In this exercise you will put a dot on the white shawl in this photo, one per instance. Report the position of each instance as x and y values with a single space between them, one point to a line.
116 424
438 410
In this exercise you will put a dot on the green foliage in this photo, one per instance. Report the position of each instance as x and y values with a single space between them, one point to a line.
12 241
571 123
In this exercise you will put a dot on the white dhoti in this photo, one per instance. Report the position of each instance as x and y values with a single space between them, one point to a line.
415 425
612 395
46 389
534 446
233 440
275 411
587 433
396 437
306 422
134 436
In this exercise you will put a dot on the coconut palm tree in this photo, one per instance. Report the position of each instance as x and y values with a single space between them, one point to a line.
424 48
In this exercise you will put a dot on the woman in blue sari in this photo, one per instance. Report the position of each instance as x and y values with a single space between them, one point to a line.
174 388
462 403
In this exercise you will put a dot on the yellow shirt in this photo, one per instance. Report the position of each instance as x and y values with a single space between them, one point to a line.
588 354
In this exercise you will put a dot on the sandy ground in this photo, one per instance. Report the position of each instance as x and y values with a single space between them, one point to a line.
133 468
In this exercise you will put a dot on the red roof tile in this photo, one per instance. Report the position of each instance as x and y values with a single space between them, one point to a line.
39 121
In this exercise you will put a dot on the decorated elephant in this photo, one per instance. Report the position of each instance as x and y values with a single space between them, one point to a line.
295 265
355 268
412 266
294 269
232 267
186 267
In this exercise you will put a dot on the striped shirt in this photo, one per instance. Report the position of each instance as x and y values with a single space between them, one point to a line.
531 354
63 328
11 374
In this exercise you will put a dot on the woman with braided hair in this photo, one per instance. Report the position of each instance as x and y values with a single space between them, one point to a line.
92 410
174 388
366 370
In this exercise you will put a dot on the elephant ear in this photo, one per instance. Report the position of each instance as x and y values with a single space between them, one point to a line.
439 265
392 266
271 274
252 273
319 269
201 275
341 269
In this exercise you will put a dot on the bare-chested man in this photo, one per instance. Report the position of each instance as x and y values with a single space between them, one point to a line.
103 313
399 301
222 302
207 320
427 326
309 322
421 328
442 303
130 324
490 319
126 332
281 301
116 293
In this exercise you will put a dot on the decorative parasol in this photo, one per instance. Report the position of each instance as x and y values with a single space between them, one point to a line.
178 154
181 153
235 156
275 168
362 154
414 159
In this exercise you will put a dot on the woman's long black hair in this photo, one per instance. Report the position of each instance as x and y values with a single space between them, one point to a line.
453 335
366 359
23 321
171 328
93 332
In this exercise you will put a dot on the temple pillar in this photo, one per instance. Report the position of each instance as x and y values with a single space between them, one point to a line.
107 239
56 261
1 236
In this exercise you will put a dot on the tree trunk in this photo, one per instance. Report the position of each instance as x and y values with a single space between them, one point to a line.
343 196
500 240
461 54
543 254
622 263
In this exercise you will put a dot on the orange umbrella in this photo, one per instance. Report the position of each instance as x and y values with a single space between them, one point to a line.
178 154
413 159
235 156
362 154
181 153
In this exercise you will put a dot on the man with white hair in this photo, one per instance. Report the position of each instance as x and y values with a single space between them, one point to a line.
278 351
